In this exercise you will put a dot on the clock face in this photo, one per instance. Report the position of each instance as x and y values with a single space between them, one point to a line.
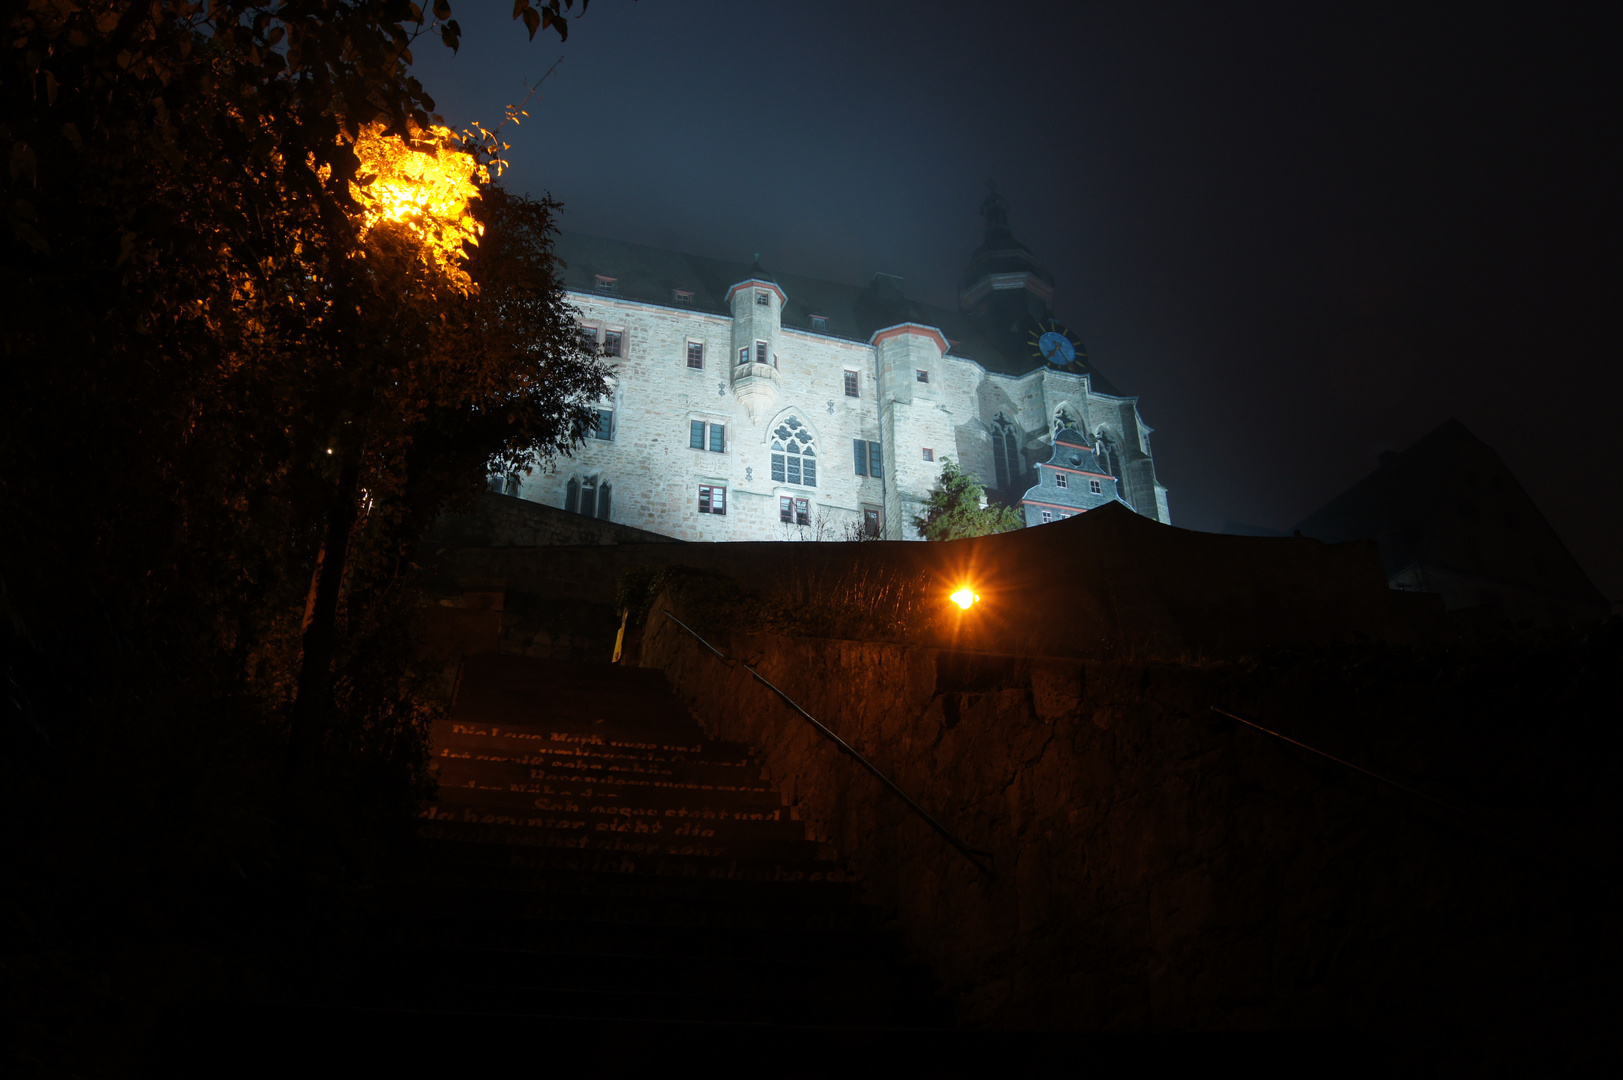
1059 348
1056 349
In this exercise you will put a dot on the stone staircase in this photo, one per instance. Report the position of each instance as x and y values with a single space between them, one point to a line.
593 858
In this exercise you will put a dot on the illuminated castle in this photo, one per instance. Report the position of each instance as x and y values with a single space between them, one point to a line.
755 405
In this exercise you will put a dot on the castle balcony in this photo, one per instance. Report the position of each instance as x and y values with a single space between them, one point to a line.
756 388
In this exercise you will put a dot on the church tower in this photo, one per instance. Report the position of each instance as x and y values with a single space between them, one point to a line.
1006 290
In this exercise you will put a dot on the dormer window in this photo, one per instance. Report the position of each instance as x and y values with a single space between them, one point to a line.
819 322
606 284
763 298
682 296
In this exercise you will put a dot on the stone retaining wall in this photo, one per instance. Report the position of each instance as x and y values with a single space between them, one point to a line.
1156 868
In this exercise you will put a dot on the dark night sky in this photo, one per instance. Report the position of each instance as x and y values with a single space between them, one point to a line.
1301 234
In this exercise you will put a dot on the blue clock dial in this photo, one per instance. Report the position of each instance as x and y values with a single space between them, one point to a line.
1056 349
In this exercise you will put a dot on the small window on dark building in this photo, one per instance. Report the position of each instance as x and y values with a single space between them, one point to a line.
712 499
695 355
1096 487
611 343
572 496
1048 515
682 296
763 298
851 384
603 492
819 322
588 498
605 283
1061 480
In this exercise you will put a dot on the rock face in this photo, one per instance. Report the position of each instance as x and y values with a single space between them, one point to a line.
1158 867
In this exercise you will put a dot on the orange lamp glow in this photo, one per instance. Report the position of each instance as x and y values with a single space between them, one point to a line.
964 597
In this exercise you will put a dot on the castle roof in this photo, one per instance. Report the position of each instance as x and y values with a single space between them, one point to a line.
854 312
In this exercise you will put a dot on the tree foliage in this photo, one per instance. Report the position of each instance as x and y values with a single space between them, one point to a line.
955 508
220 363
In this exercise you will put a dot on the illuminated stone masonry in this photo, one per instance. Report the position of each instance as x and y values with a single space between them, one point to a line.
753 405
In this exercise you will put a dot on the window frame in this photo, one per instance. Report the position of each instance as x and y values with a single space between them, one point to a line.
819 323
616 339
695 352
1048 515
929 454
713 499
695 434
763 298
600 425
683 297
921 376
607 284
762 352
718 433
853 383
1096 487
1061 480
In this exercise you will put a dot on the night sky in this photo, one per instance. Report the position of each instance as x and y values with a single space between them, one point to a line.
1300 234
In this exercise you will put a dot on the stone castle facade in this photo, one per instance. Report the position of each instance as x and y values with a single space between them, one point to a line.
752 405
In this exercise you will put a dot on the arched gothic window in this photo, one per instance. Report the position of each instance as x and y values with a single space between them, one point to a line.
588 497
572 495
603 493
1006 461
794 458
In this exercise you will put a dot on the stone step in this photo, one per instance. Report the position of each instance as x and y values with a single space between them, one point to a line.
546 937
689 868
459 775
872 978
605 803
600 745
631 1004
567 831
769 912
561 768
475 866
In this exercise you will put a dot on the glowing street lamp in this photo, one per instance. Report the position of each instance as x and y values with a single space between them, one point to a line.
965 597
425 184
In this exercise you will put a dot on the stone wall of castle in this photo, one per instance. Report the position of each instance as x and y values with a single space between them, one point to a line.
655 475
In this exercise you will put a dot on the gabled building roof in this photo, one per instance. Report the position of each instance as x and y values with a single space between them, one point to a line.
854 312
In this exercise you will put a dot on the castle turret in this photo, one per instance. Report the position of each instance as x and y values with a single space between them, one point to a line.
757 307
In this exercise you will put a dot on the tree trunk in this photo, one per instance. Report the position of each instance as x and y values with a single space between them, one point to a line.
312 701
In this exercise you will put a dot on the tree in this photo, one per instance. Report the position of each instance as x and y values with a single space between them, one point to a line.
227 360
955 508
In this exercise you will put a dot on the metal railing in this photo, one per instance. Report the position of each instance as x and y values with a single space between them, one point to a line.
974 855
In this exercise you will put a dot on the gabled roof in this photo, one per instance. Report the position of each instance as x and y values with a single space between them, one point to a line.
854 312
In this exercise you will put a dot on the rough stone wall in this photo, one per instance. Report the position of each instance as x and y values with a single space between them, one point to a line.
1156 869
655 475
503 521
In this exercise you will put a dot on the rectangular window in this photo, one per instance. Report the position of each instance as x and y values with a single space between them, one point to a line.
604 428
802 512
588 337
851 384
682 296
696 434
744 355
763 298
921 375
870 523
819 322
606 283
786 508
859 451
794 468
611 343
1093 486
695 355
1061 480
712 500
718 438
1048 515
777 468
929 455
876 460
760 352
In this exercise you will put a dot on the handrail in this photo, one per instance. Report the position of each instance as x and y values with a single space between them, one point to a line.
846 748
